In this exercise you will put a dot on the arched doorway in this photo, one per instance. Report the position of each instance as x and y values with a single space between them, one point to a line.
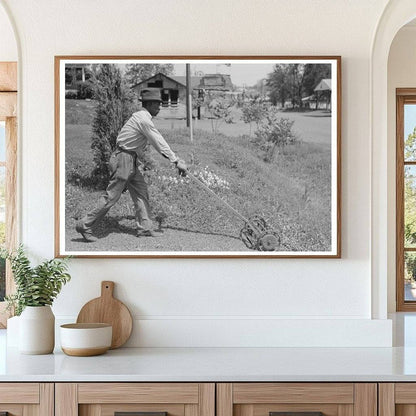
396 14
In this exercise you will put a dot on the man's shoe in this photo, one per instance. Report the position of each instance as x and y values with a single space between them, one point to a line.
86 234
145 233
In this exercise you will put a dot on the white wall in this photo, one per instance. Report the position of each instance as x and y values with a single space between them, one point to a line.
8 47
178 302
401 74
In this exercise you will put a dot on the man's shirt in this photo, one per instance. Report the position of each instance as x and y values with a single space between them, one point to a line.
138 132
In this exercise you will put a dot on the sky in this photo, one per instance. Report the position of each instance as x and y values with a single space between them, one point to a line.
409 119
241 74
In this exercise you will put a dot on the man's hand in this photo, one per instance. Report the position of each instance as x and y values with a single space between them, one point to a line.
182 168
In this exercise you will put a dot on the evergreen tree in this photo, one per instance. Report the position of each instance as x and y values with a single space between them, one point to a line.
114 107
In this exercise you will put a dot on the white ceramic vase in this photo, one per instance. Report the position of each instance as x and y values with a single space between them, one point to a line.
37 330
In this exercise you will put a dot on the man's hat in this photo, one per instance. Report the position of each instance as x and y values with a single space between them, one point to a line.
150 94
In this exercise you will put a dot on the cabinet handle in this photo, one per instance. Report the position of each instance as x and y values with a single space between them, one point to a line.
296 414
138 414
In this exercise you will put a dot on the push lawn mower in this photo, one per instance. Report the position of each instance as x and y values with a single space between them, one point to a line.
256 233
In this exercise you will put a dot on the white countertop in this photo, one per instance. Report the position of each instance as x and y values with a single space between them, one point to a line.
222 364
213 364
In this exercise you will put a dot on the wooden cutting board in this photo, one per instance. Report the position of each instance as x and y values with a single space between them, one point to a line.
107 309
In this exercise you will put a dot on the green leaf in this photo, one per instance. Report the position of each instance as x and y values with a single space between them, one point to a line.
35 286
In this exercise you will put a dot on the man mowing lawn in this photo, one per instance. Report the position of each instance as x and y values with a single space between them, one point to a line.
132 141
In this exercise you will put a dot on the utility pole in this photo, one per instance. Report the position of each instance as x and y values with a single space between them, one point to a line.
189 101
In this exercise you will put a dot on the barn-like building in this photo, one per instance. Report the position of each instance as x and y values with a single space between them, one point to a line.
172 88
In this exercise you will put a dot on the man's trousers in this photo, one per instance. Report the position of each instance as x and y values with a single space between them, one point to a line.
123 174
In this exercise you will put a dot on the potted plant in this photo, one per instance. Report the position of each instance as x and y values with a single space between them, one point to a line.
36 289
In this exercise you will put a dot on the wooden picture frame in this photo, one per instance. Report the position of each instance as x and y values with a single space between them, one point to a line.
261 139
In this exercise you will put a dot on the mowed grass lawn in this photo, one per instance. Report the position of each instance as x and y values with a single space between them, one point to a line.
293 192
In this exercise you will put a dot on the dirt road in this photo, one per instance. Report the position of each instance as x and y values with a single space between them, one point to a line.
169 240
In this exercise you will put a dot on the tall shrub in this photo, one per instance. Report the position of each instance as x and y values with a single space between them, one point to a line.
114 107
273 133
220 110
253 111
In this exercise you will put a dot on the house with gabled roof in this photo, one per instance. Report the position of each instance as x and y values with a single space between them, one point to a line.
172 88
324 85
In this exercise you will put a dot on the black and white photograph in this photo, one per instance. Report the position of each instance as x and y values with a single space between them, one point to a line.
197 156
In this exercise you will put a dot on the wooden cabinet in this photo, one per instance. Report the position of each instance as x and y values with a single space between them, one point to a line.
297 399
27 399
105 399
208 399
397 399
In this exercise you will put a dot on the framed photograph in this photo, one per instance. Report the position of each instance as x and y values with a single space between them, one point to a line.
173 156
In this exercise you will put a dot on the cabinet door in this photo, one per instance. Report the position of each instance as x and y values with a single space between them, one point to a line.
296 399
397 399
145 399
27 399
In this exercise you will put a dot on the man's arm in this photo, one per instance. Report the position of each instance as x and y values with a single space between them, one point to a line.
157 141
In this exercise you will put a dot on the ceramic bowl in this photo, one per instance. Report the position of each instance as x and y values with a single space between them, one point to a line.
83 340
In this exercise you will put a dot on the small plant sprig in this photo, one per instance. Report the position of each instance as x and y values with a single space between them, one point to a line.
35 286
